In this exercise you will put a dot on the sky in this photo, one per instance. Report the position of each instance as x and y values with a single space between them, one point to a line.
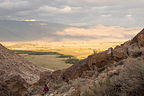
124 13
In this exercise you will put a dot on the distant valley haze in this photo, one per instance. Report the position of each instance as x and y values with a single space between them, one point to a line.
54 32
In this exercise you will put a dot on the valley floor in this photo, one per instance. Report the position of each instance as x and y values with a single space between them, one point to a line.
78 50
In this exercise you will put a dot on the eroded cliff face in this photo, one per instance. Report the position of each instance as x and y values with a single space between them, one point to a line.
74 80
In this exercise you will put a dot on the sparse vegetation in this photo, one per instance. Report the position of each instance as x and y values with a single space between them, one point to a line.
98 89
79 50
130 81
64 56
47 61
71 60
35 52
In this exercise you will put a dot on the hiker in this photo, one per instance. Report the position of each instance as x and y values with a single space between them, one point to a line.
46 89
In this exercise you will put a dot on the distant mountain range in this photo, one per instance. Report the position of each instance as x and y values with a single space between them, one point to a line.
28 30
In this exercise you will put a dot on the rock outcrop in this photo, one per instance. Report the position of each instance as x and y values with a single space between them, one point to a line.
139 39
16 73
14 85
96 61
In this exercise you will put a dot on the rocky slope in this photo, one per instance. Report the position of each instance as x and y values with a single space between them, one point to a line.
122 66
16 73
114 72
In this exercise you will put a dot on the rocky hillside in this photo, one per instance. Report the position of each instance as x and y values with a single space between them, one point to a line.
117 71
16 73
114 72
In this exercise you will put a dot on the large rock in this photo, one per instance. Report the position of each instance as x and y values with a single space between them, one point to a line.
14 85
16 73
11 63
76 70
139 39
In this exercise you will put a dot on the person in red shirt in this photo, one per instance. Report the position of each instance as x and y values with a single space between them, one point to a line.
46 89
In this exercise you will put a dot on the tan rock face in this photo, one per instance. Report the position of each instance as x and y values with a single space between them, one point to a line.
101 59
76 70
139 39
16 73
120 53
16 85
11 63
95 61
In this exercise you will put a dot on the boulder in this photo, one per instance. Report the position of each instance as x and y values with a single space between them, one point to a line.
139 39
14 85
75 71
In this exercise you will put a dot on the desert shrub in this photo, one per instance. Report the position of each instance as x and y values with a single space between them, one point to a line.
130 82
137 54
34 52
64 56
98 89
71 60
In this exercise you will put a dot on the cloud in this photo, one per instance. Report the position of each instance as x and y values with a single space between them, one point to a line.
106 15
101 32
8 4
50 9
30 20
126 13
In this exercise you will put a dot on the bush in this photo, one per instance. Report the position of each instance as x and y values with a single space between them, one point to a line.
130 82
34 52
71 60
64 56
97 89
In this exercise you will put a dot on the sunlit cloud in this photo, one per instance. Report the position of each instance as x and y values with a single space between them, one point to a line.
101 32
47 8
30 20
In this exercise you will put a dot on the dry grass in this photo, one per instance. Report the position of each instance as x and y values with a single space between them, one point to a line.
48 61
78 49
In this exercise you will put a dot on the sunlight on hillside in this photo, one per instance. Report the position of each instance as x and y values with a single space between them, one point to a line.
78 49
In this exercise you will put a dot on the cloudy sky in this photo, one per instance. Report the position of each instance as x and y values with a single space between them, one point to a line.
125 13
